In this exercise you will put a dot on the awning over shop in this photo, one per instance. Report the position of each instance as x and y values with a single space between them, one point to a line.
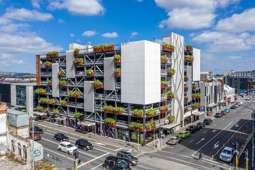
87 123
39 114
187 114
170 126
197 113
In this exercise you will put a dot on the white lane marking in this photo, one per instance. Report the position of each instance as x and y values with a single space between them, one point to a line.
74 139
96 167
61 155
92 160
229 124
84 153
201 140
53 132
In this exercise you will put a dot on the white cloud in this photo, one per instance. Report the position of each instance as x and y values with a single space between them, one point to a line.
244 21
89 33
81 7
224 42
188 14
8 60
110 35
133 34
36 3
194 19
23 14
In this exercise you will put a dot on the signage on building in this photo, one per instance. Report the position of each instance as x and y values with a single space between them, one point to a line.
37 151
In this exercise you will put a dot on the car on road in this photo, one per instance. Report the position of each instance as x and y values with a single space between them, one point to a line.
67 147
115 163
200 125
218 115
173 140
234 107
227 110
37 129
132 160
61 137
84 144
183 134
208 121
192 128
227 154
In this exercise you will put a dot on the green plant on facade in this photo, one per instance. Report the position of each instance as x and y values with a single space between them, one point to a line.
118 110
171 118
49 82
189 48
170 95
164 109
196 95
188 58
47 64
40 91
78 115
110 122
61 73
108 109
195 105
151 125
117 59
90 73
63 102
151 112
62 83
76 52
55 111
167 47
170 72
138 112
75 93
104 48
164 84
99 84
136 126
78 61
164 59
52 101
52 54
117 72
40 109
43 100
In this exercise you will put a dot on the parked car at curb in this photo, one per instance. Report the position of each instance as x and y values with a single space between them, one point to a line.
200 125
61 137
218 115
37 129
192 128
227 154
183 134
67 147
208 121
173 140
132 160
115 163
84 144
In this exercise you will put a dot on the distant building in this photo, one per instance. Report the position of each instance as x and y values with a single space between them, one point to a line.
3 125
229 94
242 81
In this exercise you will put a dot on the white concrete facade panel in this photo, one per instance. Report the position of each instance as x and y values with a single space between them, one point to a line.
29 99
70 71
140 72
89 95
196 64
13 95
55 80
109 79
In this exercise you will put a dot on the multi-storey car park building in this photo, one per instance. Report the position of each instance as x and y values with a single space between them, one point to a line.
129 93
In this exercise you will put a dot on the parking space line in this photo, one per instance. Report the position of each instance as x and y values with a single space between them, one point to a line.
96 167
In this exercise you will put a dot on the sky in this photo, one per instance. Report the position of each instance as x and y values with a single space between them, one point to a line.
224 30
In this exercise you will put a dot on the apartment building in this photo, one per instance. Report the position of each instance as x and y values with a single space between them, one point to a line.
131 93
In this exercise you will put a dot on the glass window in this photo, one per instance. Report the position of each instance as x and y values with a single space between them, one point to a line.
21 95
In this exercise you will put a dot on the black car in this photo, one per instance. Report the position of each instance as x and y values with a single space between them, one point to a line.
115 163
200 125
218 115
192 128
61 137
84 144
207 121
128 156
37 129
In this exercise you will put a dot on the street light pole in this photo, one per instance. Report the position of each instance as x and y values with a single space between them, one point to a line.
247 160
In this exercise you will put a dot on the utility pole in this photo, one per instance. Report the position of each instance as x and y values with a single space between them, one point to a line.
246 160
237 156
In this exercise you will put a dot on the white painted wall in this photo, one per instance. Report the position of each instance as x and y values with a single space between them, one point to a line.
55 80
29 99
3 128
196 64
140 72
13 94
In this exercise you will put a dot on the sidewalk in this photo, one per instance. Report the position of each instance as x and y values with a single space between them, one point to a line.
104 140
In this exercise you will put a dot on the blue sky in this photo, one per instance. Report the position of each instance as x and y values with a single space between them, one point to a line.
223 29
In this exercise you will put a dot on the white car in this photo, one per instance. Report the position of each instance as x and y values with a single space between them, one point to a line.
67 147
227 154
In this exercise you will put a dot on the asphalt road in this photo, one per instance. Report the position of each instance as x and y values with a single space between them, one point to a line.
233 128
91 159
